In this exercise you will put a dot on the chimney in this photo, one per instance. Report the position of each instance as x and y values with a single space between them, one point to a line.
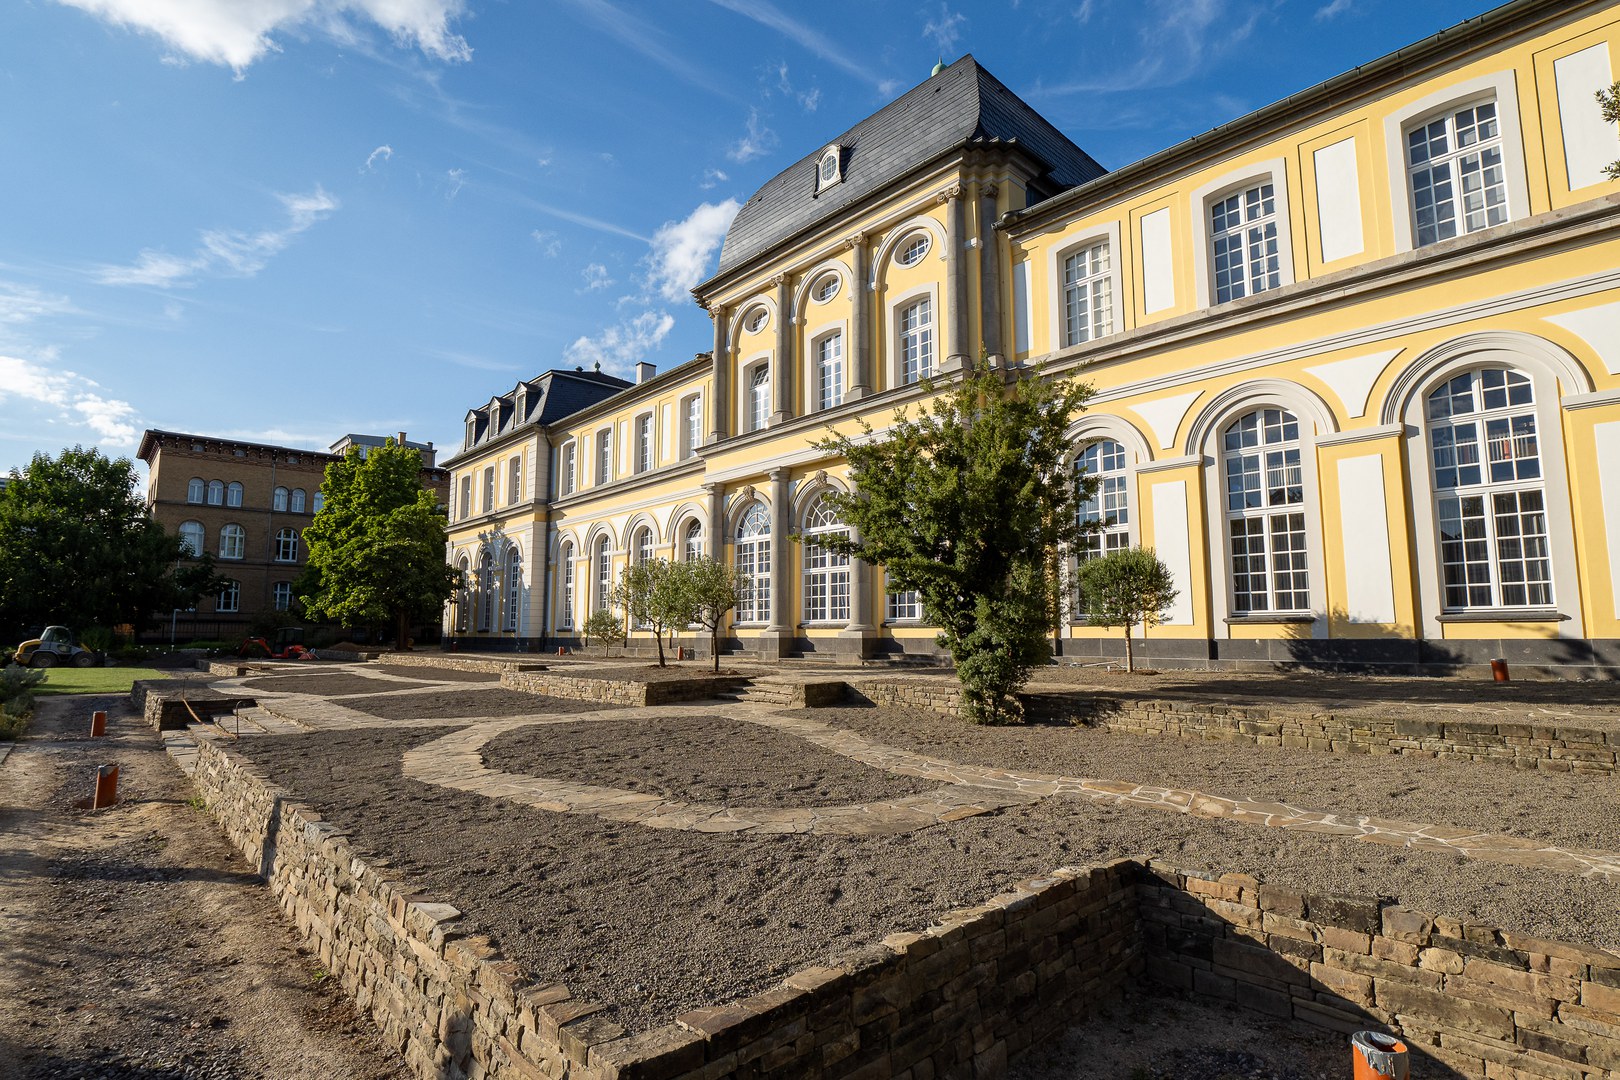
645 371
402 438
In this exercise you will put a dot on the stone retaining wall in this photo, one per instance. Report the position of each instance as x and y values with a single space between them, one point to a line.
1483 1001
164 707
1555 747
458 663
622 692
798 694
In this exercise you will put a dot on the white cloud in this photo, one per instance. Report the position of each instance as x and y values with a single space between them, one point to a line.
759 141
711 177
616 348
767 14
23 304
681 249
458 180
945 29
235 33
385 152
550 243
45 383
227 252
596 277
809 99
1337 7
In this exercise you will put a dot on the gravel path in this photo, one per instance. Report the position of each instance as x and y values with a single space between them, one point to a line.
453 704
436 674
328 685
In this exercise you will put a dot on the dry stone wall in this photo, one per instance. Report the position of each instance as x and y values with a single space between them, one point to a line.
621 691
458 663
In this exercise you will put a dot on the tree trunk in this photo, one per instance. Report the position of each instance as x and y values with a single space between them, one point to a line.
402 628
1130 658
658 636
715 645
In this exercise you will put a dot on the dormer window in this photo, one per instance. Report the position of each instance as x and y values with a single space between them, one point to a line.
830 170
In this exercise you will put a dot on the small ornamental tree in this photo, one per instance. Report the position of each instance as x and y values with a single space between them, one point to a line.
376 548
709 589
970 504
1124 588
652 594
605 627
1609 101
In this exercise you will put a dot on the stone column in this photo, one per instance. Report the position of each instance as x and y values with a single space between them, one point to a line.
715 533
956 293
777 640
720 407
861 383
990 277
859 636
782 367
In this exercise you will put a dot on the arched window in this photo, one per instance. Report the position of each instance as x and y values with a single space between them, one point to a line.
232 542
565 617
464 596
514 584
826 574
1490 497
642 546
759 396
486 592
216 493
278 500
233 494
195 489
692 541
603 568
297 503
283 595
754 563
1109 508
192 536
229 598
287 545
1265 512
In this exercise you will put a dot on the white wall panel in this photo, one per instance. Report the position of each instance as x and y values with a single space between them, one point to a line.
1589 142
1338 200
1158 262
1173 545
1364 516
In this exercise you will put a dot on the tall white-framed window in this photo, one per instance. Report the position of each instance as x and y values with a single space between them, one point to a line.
466 497
195 489
759 396
193 536
641 548
602 568
229 598
1265 512
296 503
1244 246
278 500
281 595
915 324
216 493
486 592
1108 511
489 489
233 494
829 370
1456 173
514 585
565 468
1490 493
287 545
514 480
1088 294
826 574
565 563
692 541
232 542
604 455
644 443
753 553
464 597
691 425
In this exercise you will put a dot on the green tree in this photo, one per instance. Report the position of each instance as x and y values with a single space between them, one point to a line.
708 589
376 549
1124 588
605 627
653 594
969 504
1609 101
77 547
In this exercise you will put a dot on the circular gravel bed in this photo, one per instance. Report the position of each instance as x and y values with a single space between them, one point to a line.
653 923
1567 809
433 673
327 685
700 759
453 704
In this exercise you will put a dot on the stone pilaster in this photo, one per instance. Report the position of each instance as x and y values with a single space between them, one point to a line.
990 277
956 291
859 350
720 407
777 638
782 365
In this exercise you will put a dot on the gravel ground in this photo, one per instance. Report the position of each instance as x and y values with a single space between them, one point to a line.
704 759
653 923
329 685
454 704
436 674
632 672
1568 809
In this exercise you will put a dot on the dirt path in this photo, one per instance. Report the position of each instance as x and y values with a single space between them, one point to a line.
133 941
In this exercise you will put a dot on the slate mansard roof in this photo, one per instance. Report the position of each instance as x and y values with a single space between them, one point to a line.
961 107
543 400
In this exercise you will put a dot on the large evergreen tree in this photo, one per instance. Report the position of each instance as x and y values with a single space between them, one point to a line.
970 504
376 549
78 548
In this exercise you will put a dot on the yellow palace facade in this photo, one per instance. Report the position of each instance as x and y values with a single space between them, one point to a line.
1356 359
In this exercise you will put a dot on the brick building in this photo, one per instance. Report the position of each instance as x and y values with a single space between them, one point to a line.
247 504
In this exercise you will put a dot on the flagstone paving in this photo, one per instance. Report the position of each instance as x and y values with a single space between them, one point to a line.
456 761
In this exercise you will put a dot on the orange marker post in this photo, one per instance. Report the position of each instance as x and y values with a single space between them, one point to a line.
1499 670
1379 1056
106 787
98 723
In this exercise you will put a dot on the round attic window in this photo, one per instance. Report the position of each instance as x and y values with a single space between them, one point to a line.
756 320
829 167
913 250
825 288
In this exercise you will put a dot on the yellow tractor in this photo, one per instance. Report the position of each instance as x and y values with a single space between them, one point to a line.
55 646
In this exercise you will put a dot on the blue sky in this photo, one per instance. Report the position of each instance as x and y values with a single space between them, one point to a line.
284 220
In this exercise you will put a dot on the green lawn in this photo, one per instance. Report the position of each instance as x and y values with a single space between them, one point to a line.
93 680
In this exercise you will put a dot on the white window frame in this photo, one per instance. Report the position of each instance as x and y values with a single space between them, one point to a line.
752 557
902 608
691 422
1111 506
642 436
602 455
193 535
691 552
565 593
834 332
747 412
486 592
814 291
287 545
216 493
196 490
514 480
567 464
897 306
464 597
514 586
229 598
298 500
1501 85
602 574
1274 172
908 243
232 545
466 497
1057 320
278 500
1268 514
488 503
233 494
281 595
826 595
